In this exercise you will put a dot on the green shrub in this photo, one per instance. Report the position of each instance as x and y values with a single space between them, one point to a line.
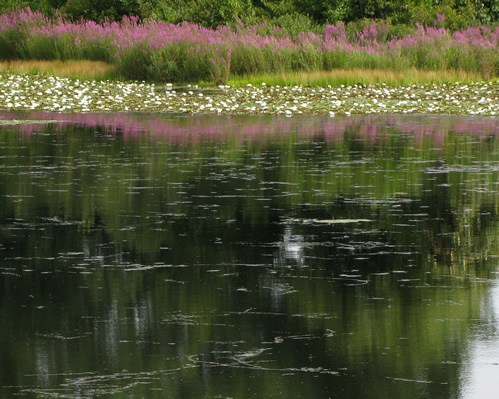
93 51
293 24
337 59
182 62
308 58
400 31
247 60
11 43
164 66
134 62
39 47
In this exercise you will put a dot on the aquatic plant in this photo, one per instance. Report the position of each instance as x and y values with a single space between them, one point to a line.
46 93
159 51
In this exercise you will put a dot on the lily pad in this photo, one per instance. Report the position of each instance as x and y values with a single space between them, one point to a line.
42 93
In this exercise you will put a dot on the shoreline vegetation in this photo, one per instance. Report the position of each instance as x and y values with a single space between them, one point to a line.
157 51
99 70
54 64
72 69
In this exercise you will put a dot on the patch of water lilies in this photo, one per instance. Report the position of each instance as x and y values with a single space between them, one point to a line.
42 93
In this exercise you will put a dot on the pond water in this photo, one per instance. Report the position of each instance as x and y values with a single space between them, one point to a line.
163 256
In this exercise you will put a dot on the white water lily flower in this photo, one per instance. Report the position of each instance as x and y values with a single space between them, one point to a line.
74 95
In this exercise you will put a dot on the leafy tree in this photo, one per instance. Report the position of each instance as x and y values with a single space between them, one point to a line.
212 13
98 10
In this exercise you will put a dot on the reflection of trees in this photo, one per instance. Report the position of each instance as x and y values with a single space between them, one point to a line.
148 195
86 201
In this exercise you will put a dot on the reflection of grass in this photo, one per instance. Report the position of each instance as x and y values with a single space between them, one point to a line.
352 77
75 69
26 122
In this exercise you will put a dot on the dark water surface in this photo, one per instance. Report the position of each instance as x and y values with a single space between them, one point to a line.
149 256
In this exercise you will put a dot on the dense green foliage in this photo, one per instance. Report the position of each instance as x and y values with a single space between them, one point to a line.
159 51
295 14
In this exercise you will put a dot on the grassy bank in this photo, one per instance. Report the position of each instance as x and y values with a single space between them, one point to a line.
343 77
73 69
99 70
158 51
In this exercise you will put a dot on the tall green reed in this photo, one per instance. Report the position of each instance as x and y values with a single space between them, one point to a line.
159 51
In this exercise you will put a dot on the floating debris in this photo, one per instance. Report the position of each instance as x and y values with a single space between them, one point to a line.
328 221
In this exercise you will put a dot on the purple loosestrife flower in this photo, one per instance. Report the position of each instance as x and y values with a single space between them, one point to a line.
440 21
259 45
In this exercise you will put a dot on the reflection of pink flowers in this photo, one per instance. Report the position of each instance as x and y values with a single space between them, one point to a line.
218 127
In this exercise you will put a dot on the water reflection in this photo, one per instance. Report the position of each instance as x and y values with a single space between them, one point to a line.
189 129
479 373
145 255
291 249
